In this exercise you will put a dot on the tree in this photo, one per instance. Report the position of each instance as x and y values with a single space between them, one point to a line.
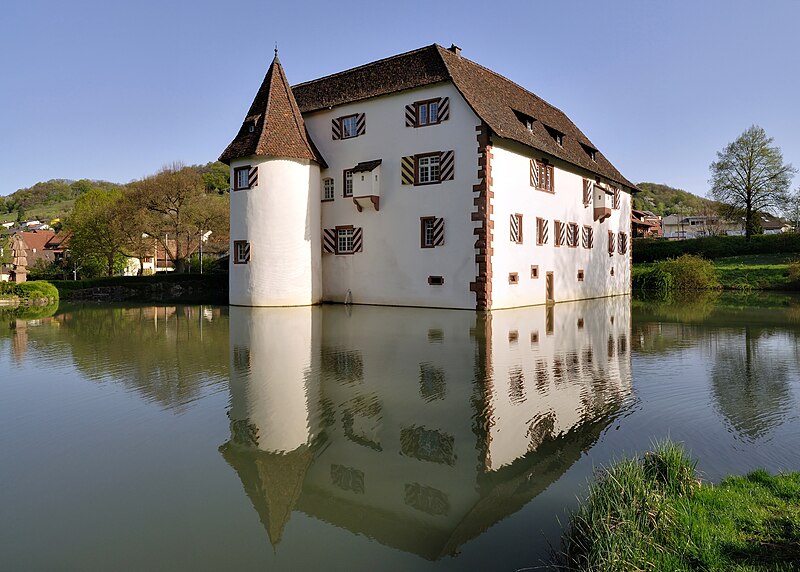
792 210
95 229
178 210
750 177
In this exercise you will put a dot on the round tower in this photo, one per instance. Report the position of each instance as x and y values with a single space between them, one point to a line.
275 244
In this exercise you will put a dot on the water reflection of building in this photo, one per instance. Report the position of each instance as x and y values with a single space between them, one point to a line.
418 428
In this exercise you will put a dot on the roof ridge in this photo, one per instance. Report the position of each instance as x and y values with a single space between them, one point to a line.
366 65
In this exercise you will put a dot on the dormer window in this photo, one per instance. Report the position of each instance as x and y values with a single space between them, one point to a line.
590 151
557 136
349 126
427 112
525 119
251 128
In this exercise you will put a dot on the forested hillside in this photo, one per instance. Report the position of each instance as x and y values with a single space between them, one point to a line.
665 200
54 199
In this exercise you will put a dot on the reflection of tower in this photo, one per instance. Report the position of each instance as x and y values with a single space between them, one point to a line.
19 343
272 428
275 208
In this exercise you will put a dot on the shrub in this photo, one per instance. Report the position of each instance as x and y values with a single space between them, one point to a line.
686 272
36 290
794 274
713 247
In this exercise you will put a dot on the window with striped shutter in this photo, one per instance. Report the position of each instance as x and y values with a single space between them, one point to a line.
612 246
349 126
241 252
622 243
588 192
542 176
560 233
615 202
427 112
245 178
588 237
427 168
342 240
541 231
572 235
516 228
432 232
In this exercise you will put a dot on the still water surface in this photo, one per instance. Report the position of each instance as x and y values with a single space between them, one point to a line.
364 438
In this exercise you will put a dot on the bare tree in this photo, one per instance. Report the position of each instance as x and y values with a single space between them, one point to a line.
750 176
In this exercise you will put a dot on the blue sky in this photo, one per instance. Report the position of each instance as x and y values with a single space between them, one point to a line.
116 89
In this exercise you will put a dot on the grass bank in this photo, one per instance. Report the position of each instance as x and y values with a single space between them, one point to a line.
180 288
653 513
743 273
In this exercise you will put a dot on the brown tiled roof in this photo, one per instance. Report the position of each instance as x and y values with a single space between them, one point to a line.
278 129
494 99
366 166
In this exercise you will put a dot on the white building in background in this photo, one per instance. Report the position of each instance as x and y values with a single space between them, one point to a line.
422 179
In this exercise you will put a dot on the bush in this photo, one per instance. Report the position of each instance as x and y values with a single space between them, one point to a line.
686 272
36 290
713 247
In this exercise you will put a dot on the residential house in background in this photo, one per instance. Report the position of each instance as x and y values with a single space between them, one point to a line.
423 179
645 224
677 227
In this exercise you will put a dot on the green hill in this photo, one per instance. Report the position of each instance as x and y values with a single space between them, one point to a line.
665 200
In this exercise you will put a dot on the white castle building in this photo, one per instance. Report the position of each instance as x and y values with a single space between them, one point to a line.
423 179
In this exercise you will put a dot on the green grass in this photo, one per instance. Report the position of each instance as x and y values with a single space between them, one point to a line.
652 513
744 273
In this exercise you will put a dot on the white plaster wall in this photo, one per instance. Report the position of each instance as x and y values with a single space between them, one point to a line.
271 351
280 216
513 194
393 269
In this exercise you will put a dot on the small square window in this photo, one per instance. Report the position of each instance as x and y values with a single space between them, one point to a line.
436 280
427 112
241 178
349 126
513 278
513 336
534 337
327 189
580 275
534 272
580 323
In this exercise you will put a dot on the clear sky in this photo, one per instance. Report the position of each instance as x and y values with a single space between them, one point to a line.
114 89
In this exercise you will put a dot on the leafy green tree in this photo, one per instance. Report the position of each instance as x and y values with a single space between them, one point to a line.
178 211
750 176
96 230
792 209
216 176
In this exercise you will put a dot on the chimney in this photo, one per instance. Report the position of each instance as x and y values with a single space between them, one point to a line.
455 49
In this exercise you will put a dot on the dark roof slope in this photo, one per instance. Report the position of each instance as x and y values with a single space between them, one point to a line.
274 125
495 99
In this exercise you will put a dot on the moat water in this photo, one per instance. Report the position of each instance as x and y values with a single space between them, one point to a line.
365 438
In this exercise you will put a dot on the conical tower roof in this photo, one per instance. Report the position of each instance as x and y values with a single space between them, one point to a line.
273 126
19 253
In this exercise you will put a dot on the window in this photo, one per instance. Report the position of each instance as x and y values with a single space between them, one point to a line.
241 252
427 112
611 244
541 231
534 271
436 280
580 279
513 278
557 136
525 119
560 232
241 178
428 168
615 201
588 191
592 152
572 235
431 231
349 126
516 228
542 176
327 189
347 187
622 246
344 240
588 237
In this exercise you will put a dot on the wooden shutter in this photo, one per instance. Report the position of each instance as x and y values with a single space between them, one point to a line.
560 233
588 237
438 232
358 241
361 124
611 244
407 170
336 129
444 108
447 166
516 228
411 115
572 235
550 183
588 192
541 231
615 204
534 174
329 240
622 240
